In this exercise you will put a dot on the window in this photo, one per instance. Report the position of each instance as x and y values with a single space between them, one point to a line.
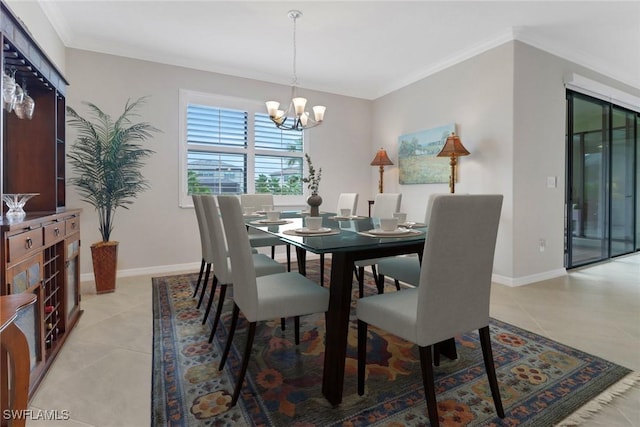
230 146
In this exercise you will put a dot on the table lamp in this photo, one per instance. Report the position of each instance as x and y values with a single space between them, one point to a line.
381 159
453 148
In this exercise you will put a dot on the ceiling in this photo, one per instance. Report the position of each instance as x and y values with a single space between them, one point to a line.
363 49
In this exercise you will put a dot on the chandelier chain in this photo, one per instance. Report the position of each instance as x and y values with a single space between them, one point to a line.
295 74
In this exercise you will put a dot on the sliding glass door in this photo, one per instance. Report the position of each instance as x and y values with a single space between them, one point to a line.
622 181
602 191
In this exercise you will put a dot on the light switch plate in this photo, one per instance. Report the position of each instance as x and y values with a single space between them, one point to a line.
552 182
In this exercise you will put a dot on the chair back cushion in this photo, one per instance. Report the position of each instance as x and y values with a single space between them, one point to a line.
205 243
386 204
245 293
256 201
348 201
432 197
217 239
457 264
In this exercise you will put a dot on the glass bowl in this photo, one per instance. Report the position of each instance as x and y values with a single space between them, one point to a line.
15 203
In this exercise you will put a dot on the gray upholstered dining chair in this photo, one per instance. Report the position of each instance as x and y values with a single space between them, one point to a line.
262 298
454 291
207 248
260 239
221 265
384 206
347 201
405 268
205 245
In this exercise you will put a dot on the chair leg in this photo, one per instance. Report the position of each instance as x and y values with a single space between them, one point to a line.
232 330
273 252
296 321
362 355
429 385
322 270
487 354
360 276
288 258
380 283
223 292
204 284
211 294
397 282
375 272
202 264
283 324
245 363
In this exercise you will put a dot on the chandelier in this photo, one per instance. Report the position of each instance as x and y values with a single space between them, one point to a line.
295 117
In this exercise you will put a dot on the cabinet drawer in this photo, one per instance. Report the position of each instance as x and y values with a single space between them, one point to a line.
72 225
54 232
24 243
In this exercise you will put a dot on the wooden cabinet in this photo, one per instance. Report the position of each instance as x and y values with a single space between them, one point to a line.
39 252
40 255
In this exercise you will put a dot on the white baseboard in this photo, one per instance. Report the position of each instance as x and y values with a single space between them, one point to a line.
527 280
195 267
145 271
179 268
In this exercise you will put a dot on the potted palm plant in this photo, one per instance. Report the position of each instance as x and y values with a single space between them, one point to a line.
107 157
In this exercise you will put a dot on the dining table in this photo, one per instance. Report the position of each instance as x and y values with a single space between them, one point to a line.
346 239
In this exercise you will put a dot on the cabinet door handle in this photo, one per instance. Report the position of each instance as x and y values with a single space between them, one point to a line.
29 243
56 231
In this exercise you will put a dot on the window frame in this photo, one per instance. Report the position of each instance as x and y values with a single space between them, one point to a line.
252 107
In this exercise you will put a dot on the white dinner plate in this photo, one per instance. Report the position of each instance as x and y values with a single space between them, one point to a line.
392 233
305 230
410 224
269 222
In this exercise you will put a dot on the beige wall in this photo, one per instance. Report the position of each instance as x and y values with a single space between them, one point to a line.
509 107
156 234
477 95
539 153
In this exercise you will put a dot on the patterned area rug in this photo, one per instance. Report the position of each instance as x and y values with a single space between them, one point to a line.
542 382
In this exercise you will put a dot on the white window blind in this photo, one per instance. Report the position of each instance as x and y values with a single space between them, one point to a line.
231 148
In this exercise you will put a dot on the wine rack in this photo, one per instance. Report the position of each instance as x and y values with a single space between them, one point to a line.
53 293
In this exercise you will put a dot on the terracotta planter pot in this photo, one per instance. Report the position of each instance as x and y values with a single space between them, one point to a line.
105 265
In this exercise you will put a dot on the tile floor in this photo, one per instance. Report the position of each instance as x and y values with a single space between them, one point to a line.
103 374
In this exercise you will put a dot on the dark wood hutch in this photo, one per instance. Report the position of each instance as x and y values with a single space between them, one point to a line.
40 252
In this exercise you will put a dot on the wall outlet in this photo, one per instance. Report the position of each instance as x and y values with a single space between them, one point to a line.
552 182
542 245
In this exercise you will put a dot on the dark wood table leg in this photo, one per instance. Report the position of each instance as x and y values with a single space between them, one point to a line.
337 326
448 348
301 255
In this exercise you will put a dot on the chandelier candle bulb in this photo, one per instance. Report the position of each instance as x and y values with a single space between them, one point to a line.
299 104
318 112
272 108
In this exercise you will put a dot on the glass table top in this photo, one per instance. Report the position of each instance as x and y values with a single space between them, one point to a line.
344 234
